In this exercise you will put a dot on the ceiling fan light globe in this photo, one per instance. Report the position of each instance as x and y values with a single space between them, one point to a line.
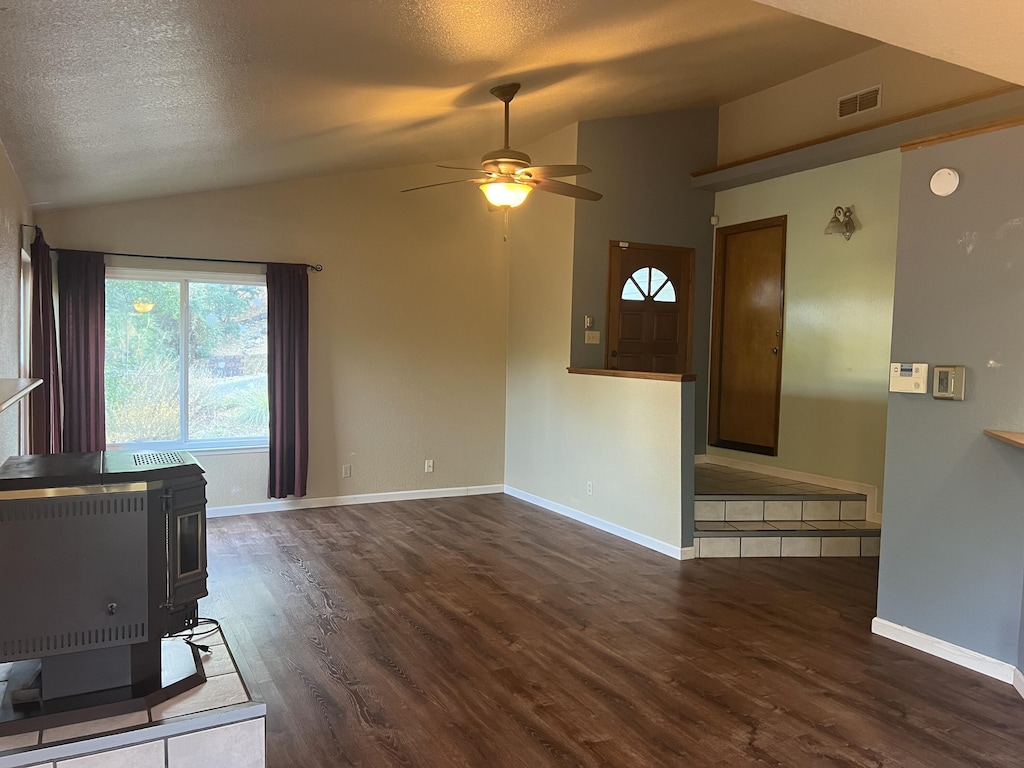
504 194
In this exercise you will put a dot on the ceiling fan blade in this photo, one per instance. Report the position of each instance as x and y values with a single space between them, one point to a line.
460 168
443 183
554 171
562 188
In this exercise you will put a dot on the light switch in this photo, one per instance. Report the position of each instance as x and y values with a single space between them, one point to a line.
591 337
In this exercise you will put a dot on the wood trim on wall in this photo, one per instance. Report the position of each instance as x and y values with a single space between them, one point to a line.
634 374
940 138
854 131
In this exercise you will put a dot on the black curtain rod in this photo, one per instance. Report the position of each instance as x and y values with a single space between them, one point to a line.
314 267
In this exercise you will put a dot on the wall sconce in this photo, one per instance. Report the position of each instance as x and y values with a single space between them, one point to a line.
841 223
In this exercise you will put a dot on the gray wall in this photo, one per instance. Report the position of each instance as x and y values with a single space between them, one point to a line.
952 562
642 166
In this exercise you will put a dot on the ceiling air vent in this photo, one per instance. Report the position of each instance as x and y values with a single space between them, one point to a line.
861 101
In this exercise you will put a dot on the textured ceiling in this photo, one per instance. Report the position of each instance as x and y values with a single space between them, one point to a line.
103 101
985 36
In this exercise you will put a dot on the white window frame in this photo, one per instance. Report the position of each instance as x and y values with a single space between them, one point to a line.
25 337
221 445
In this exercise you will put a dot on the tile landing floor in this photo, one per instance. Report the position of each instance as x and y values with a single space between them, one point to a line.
721 482
742 513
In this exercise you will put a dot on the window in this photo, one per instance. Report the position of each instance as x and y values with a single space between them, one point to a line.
186 359
649 282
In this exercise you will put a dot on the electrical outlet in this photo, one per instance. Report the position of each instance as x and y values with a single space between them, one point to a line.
346 470
428 465
590 488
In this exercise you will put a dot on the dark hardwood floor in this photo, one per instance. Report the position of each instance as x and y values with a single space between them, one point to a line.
482 631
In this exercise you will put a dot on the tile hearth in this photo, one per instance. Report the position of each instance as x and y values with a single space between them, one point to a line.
218 724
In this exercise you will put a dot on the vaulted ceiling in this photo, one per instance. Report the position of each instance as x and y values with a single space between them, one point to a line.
104 101
986 36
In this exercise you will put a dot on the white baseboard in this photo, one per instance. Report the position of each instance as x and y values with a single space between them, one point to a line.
1018 682
964 657
870 491
282 505
679 553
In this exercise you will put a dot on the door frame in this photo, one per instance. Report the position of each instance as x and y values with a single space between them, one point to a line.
717 309
687 260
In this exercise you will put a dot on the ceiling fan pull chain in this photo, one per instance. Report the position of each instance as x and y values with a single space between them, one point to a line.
505 238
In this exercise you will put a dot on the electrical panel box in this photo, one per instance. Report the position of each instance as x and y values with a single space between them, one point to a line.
908 377
948 382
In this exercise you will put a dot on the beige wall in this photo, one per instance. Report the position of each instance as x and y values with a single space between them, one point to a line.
408 318
838 320
805 108
563 430
14 212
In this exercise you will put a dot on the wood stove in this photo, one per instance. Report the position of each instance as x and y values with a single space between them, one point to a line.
104 555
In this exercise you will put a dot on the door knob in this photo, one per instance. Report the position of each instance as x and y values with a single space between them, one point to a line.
775 350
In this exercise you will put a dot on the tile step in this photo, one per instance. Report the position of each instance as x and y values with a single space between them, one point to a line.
770 511
822 528
756 544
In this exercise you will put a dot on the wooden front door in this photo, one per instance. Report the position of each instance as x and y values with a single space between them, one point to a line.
650 308
746 336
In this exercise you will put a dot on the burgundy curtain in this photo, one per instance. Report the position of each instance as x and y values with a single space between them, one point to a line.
44 431
288 378
82 300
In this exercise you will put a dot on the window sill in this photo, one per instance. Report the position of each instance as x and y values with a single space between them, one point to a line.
222 451
219 450
634 374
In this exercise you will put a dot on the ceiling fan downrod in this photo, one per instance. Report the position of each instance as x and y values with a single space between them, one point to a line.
505 93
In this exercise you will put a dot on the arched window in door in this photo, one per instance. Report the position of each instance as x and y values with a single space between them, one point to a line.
650 308
649 283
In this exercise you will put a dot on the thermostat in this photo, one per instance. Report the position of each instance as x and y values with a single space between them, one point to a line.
908 377
949 382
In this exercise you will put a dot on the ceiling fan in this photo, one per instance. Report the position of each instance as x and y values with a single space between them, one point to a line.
509 178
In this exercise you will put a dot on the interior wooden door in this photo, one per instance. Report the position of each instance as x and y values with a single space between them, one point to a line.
650 308
746 336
